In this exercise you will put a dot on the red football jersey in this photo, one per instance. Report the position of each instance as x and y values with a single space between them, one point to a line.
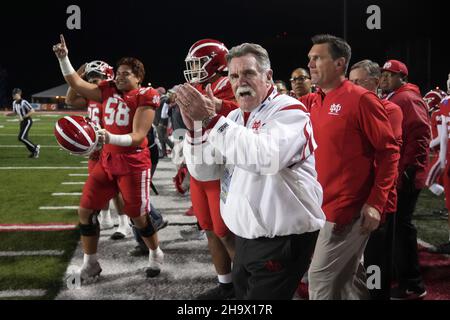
445 111
118 110
94 111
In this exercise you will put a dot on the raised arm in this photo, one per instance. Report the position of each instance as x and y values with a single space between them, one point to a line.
84 88
73 98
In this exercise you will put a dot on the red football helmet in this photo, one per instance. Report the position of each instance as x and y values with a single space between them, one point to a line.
433 99
205 59
77 134
100 68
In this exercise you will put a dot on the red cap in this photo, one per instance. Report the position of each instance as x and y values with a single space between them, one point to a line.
395 66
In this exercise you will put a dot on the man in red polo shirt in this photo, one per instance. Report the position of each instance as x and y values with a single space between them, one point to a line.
352 131
378 251
411 179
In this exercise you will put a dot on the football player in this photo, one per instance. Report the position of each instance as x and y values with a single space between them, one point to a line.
443 161
205 62
96 72
127 114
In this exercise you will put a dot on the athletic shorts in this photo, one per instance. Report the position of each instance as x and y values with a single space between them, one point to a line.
103 184
206 202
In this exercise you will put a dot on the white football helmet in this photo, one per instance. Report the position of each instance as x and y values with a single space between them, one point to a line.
101 68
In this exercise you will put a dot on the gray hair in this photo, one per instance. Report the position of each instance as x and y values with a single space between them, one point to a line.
372 68
261 54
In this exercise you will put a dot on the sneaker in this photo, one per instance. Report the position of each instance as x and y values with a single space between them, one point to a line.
138 251
406 294
190 212
37 151
105 220
90 272
441 249
220 292
155 262
193 234
122 232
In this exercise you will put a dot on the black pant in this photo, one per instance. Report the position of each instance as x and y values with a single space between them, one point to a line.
378 252
25 126
271 268
164 139
406 258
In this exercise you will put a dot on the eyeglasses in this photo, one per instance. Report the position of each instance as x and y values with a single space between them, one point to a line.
359 82
301 79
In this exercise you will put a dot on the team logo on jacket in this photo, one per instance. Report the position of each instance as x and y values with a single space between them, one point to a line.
256 125
335 109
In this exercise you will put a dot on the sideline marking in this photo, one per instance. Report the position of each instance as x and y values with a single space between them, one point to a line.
36 227
63 194
31 253
22 293
59 208
42 168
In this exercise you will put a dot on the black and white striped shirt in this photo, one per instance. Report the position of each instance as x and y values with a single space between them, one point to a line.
21 108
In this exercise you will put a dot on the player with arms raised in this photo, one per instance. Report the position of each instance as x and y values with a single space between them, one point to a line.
127 114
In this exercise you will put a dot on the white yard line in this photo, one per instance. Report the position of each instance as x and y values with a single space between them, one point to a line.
21 146
42 168
63 194
37 227
78 175
31 135
72 183
84 162
59 208
22 293
31 253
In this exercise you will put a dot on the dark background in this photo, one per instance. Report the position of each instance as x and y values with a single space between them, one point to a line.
160 34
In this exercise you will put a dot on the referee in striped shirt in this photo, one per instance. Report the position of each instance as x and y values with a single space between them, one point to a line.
24 110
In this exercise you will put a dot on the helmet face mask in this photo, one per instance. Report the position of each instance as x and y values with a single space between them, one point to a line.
97 69
206 59
433 99
196 70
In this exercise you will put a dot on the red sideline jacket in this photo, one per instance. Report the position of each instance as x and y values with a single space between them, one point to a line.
416 132
352 131
395 117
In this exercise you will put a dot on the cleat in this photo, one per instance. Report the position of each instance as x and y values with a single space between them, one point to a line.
37 151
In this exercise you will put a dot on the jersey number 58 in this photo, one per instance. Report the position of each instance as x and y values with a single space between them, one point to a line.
116 112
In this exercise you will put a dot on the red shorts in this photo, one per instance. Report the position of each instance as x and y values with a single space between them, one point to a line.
104 182
93 160
206 202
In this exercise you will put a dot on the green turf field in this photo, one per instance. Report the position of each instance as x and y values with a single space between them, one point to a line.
23 191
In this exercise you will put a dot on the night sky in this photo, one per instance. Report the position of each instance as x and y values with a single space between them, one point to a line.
160 34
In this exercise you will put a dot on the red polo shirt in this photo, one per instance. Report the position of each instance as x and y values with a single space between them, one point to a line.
352 131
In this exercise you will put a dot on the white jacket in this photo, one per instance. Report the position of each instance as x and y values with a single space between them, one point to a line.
269 183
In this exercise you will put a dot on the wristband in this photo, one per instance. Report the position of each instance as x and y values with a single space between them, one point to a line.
66 66
121 140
